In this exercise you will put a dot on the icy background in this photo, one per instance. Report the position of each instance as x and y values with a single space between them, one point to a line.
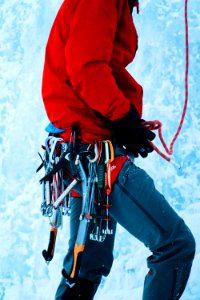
159 66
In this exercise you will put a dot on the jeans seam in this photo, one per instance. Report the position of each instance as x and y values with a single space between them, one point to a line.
140 207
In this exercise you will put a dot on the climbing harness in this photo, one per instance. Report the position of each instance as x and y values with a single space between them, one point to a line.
74 165
157 125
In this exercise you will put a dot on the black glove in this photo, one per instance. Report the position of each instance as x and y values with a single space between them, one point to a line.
130 132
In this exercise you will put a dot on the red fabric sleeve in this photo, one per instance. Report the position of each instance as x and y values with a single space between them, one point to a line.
88 53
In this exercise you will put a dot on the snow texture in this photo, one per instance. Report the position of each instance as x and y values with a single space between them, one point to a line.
159 66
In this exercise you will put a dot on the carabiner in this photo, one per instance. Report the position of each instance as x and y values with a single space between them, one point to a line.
93 160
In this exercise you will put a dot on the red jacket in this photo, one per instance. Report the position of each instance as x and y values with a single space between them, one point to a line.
89 46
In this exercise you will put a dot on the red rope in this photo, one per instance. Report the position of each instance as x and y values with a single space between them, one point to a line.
153 125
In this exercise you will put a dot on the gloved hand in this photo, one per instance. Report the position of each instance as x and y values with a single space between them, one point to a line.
130 132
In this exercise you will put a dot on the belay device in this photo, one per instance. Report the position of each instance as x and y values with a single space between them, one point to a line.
83 166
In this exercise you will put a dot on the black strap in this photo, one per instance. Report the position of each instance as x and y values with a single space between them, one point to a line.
62 163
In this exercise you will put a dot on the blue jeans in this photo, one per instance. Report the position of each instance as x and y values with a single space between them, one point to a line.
144 213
